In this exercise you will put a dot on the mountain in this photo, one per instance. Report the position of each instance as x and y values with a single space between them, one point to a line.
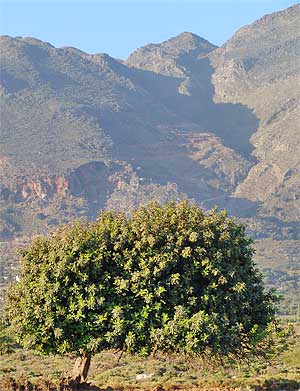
179 119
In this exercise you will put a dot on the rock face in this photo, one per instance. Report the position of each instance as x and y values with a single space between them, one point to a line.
180 119
259 67
169 57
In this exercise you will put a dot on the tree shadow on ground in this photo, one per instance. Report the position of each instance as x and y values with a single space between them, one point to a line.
279 385
22 384
63 384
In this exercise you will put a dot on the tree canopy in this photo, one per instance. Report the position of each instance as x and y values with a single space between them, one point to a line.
170 278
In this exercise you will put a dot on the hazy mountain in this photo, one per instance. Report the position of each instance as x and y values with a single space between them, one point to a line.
178 119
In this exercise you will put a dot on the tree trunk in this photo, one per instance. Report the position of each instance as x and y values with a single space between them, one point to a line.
81 368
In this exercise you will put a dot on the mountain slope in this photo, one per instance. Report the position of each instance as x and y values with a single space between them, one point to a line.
259 67
179 119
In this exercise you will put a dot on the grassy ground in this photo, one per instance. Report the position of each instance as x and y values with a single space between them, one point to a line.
169 372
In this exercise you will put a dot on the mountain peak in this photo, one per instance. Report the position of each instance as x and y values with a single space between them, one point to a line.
185 42
188 41
8 40
162 57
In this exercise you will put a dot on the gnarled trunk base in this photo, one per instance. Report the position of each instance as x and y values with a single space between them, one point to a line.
81 368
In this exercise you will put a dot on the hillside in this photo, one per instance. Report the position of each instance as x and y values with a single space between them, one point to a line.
179 119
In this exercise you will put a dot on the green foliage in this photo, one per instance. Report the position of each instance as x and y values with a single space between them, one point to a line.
7 344
169 278
196 287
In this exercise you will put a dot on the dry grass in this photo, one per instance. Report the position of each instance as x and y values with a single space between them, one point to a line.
169 372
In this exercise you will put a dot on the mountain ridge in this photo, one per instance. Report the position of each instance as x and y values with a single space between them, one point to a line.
179 119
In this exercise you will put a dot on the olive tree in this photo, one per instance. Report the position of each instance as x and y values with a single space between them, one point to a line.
171 278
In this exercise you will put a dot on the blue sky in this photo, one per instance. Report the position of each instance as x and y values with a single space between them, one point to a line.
118 27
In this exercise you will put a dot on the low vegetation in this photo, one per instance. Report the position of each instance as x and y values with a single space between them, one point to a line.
111 372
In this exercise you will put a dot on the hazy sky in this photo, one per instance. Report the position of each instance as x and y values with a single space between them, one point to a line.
117 27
